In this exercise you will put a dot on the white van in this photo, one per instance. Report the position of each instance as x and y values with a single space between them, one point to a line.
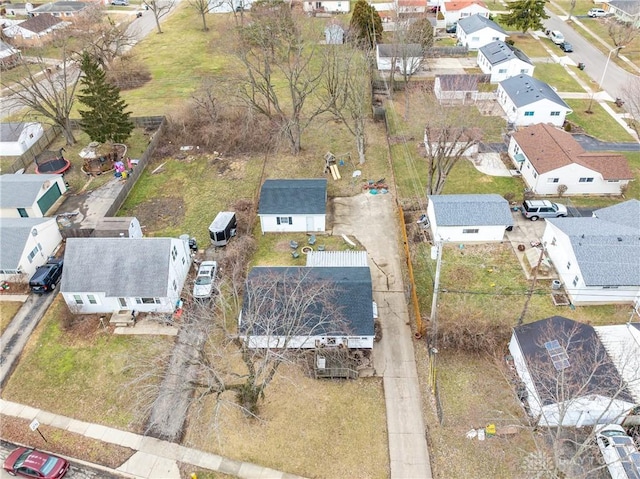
556 37
619 451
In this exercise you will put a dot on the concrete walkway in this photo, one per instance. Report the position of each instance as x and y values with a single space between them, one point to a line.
152 459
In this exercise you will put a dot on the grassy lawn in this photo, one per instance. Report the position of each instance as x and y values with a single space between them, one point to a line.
556 76
8 310
599 123
529 45
634 162
581 7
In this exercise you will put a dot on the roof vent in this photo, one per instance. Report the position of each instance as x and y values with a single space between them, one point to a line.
619 239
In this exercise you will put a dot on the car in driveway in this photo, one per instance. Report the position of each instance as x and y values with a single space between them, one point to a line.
46 276
596 13
566 47
122 3
618 451
536 209
205 280
26 462
556 37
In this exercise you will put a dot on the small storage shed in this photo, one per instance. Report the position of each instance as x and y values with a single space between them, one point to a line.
18 137
293 205
116 227
29 196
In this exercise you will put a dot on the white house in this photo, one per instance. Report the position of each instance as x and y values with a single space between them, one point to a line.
228 6
469 218
349 322
405 58
326 6
454 11
627 11
9 57
502 61
597 258
548 157
477 31
33 30
29 196
105 275
527 101
569 378
293 205
62 9
16 138
26 244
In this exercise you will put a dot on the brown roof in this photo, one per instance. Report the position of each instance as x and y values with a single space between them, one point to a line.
453 6
549 148
40 23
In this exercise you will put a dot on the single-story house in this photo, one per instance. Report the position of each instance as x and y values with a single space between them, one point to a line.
569 378
597 258
293 205
326 6
18 9
33 30
469 218
502 61
456 10
344 317
26 244
410 7
622 342
527 101
451 141
477 31
117 227
62 9
17 137
9 57
130 274
457 88
334 34
228 6
548 157
625 11
403 57
28 195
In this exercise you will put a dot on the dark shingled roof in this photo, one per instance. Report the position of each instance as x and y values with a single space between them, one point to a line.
525 90
293 197
498 52
590 369
400 50
40 23
353 297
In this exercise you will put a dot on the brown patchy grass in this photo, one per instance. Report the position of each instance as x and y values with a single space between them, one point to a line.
8 310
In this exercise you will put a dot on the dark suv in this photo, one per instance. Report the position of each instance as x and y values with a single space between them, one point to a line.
46 276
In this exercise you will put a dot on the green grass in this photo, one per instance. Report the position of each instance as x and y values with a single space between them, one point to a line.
556 76
633 158
530 46
8 310
599 123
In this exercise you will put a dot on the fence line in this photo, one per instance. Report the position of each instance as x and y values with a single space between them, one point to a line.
48 136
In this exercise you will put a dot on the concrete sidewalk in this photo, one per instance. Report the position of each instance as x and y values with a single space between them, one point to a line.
152 459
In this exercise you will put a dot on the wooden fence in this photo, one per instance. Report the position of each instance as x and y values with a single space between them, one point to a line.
24 160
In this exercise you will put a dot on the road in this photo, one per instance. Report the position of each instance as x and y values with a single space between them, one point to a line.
584 52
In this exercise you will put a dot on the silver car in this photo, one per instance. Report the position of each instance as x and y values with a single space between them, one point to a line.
204 283
534 209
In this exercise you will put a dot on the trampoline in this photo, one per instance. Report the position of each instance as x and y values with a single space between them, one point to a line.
51 163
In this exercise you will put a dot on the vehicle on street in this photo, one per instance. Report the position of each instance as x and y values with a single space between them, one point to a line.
566 47
536 209
27 462
205 279
618 451
123 3
597 12
556 37
46 276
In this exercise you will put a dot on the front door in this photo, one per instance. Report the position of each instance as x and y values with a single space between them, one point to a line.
310 223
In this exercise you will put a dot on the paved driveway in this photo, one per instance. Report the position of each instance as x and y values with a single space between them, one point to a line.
590 143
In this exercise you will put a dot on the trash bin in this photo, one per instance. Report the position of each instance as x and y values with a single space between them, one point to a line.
555 284
581 66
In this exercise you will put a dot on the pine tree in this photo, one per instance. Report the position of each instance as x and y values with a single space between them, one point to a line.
105 118
525 15
366 24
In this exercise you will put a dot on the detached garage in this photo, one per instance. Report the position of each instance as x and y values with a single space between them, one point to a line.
29 196
293 205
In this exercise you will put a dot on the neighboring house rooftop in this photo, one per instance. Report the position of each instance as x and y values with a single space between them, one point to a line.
306 196
5 51
454 6
19 191
630 7
40 23
476 22
460 82
622 342
471 210
626 213
499 52
608 253
588 369
400 50
337 258
549 148
11 131
525 90
60 7
352 300
14 233
119 267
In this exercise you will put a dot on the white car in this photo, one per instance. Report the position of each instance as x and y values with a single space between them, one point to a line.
556 37
204 282
618 451
597 12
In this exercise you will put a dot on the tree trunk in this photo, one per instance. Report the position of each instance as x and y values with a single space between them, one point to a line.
157 23
67 131
360 140
204 21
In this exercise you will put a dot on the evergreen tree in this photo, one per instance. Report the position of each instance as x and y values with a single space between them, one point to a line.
105 118
366 25
525 15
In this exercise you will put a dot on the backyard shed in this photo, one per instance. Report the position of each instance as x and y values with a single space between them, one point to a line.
293 205
29 196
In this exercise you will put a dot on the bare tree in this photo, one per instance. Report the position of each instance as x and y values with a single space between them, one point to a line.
202 8
347 90
621 34
47 91
631 92
159 8
105 40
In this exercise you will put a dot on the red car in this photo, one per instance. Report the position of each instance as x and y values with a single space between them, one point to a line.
31 463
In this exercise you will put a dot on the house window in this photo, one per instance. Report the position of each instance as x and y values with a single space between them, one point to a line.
535 175
92 299
553 180
568 264
470 230
524 71
148 300
9 271
122 302
613 181
575 281
284 220
586 180
175 285
555 113
174 252
528 113
609 287
513 109
475 39
78 299
502 70
516 149
183 260
34 252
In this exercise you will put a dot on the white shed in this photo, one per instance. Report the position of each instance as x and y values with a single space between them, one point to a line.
293 205
29 196
17 138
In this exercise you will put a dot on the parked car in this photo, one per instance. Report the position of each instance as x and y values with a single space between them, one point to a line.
123 3
205 279
556 37
46 276
566 47
597 12
31 463
452 28
535 209
618 451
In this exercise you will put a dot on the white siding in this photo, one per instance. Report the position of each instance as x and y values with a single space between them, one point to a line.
542 111
48 238
456 15
329 6
269 223
504 70
457 234
480 38
308 342
33 211
29 135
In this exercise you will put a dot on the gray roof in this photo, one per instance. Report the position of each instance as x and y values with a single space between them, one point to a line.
630 7
590 370
293 197
626 213
477 22
608 253
6 50
524 90
119 267
11 131
353 297
40 23
471 210
20 191
14 233
400 50
498 52
63 6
